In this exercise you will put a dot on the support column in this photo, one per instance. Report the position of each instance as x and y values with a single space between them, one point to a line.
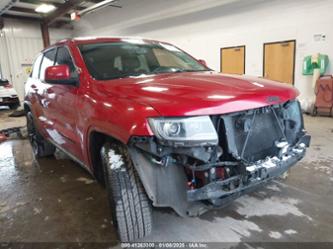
45 34
1 23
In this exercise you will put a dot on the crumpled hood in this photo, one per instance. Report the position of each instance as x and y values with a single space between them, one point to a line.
199 93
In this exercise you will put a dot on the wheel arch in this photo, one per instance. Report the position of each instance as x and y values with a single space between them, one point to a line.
26 106
96 139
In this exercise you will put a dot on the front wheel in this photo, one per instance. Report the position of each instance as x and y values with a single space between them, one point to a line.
40 147
131 209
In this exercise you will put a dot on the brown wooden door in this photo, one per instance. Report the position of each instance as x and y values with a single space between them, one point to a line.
279 61
233 60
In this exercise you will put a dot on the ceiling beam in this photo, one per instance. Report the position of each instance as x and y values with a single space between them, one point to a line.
115 6
109 5
1 23
57 23
45 34
56 4
31 11
38 2
25 10
26 18
62 10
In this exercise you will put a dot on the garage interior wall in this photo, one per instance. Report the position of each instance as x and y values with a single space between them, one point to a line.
20 41
202 28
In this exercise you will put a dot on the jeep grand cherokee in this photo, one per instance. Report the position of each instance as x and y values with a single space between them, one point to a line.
158 127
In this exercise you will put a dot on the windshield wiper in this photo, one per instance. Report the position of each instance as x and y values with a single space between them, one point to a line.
197 70
179 70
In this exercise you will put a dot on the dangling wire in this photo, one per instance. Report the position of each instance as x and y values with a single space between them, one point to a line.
280 126
249 133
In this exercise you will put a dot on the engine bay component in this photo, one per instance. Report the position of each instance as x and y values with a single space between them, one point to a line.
251 147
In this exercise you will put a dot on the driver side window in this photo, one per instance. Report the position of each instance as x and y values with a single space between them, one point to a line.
64 58
47 61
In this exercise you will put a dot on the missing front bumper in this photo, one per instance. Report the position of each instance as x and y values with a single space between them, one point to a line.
167 184
219 192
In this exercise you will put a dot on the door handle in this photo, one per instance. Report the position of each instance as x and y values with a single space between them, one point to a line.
49 91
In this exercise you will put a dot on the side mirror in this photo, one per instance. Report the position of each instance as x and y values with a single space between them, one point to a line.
59 74
202 62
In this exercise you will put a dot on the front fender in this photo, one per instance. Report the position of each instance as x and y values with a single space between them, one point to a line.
115 117
122 120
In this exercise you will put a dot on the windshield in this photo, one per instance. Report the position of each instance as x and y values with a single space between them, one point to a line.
123 59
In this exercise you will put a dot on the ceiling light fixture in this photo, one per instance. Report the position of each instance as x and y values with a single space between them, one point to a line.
45 8
75 16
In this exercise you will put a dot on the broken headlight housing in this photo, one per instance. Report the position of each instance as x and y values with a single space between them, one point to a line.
187 131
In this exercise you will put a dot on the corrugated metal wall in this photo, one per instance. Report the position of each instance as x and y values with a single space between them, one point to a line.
19 44
17 54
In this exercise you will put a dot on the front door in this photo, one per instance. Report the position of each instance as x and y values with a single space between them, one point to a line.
38 87
279 61
233 60
61 109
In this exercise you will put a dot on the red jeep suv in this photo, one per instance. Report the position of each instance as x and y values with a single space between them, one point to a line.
158 127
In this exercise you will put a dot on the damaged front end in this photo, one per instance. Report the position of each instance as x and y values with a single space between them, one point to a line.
208 170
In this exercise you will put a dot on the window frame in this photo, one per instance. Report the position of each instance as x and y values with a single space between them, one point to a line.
70 55
41 62
55 57
34 64
206 68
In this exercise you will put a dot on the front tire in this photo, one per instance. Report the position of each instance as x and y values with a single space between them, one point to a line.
40 146
131 209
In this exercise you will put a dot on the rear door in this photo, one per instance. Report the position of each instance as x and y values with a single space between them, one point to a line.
61 108
35 87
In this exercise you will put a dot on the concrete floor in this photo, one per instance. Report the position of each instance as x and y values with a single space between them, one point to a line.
54 200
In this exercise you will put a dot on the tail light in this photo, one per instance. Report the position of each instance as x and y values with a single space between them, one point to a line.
8 86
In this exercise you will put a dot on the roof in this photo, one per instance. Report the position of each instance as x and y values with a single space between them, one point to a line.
100 39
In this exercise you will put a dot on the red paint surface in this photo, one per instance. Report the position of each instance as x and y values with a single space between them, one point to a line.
59 72
120 107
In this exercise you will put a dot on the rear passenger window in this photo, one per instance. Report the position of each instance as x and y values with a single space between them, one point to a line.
48 60
64 58
35 70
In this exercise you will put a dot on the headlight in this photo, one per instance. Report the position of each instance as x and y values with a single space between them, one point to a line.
185 131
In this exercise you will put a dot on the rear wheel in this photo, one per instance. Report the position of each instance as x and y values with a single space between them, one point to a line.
40 147
131 209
